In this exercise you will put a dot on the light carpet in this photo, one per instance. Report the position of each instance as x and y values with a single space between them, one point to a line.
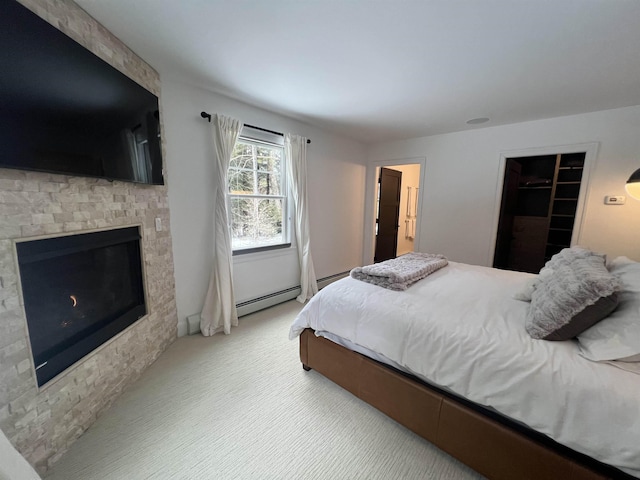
241 407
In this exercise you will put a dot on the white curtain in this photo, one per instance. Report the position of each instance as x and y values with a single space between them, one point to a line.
219 310
296 152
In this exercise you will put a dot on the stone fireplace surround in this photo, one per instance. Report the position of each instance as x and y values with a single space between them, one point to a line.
43 422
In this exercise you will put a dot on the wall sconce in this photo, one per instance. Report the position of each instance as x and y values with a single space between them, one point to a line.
633 185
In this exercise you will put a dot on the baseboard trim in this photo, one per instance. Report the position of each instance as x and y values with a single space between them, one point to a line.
271 299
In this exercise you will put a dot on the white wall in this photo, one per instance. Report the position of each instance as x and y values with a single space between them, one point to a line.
336 198
463 175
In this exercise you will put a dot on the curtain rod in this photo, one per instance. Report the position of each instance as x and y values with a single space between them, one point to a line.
208 117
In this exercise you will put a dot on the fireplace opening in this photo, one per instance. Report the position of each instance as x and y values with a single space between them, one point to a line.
79 291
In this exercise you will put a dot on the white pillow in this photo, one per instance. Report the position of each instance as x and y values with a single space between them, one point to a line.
617 337
525 293
628 366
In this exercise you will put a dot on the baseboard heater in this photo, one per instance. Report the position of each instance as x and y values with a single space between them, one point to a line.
265 301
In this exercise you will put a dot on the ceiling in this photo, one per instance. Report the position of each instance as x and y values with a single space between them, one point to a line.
379 70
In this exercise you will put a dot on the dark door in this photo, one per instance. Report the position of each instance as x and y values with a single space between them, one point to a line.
388 213
507 213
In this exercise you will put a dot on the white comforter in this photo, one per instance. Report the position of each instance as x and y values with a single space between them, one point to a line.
461 329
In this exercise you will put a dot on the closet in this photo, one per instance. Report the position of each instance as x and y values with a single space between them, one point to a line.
537 214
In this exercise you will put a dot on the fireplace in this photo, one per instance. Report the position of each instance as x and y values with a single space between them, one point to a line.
79 291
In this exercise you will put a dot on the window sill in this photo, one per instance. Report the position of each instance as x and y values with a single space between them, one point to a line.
252 254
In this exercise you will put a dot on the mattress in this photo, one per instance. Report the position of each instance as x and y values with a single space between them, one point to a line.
461 329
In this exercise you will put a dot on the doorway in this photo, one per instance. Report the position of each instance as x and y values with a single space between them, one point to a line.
387 226
540 198
396 210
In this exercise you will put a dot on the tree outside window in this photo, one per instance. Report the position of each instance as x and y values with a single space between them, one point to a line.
256 195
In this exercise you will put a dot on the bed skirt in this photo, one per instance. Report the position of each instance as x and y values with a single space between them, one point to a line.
492 445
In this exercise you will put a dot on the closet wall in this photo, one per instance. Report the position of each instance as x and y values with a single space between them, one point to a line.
464 174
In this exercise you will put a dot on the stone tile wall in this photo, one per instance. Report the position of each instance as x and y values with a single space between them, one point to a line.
43 422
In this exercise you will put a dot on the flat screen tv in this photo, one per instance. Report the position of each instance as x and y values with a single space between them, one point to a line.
64 110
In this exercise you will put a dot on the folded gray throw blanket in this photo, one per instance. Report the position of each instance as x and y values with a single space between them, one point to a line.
402 272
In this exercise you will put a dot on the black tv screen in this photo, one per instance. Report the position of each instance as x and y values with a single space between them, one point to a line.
64 110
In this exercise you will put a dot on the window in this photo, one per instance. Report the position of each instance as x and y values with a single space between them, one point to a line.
257 196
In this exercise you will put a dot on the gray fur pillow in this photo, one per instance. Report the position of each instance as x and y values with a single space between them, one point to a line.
578 293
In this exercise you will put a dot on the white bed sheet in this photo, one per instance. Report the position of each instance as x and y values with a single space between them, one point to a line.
461 329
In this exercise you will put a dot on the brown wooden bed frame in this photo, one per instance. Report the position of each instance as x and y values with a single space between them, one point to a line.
489 443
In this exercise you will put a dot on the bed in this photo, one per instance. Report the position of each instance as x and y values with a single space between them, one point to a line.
450 359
